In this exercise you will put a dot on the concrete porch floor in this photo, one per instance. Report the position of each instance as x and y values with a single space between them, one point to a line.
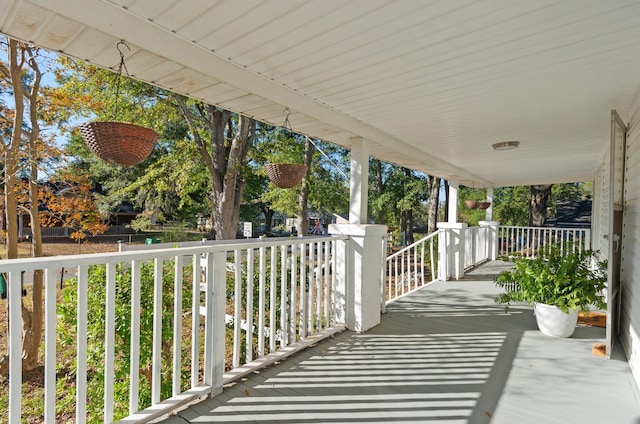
445 354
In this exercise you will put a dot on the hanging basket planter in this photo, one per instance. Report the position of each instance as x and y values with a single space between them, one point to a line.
484 205
119 143
471 204
285 175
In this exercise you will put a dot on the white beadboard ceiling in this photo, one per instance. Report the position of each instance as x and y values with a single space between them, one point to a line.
432 84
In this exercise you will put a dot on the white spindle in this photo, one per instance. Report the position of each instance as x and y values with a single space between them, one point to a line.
50 346
109 343
177 326
273 282
195 319
249 308
237 311
81 348
156 355
261 300
134 365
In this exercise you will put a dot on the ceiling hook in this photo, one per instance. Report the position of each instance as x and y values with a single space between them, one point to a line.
118 47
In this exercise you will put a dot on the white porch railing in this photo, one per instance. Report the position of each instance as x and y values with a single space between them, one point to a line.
476 246
282 294
527 241
412 267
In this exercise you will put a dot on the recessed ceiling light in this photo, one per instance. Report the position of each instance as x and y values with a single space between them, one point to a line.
506 145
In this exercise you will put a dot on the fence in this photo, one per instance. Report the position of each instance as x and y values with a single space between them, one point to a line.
175 303
412 267
528 241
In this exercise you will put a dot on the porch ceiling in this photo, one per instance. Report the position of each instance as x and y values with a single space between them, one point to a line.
432 84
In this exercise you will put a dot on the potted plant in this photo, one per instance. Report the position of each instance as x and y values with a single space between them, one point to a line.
559 282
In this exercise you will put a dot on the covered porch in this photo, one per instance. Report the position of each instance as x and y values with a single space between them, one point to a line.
445 353
433 86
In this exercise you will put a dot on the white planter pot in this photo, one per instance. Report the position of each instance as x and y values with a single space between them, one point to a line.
553 322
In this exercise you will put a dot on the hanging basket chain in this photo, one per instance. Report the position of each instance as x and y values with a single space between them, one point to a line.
119 77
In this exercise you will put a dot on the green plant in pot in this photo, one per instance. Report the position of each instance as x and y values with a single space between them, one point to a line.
559 282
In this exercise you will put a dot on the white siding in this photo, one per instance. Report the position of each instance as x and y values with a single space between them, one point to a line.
630 273
601 208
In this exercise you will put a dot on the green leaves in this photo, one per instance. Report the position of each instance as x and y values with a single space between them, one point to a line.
565 277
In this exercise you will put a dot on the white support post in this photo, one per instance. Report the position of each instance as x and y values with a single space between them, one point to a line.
363 276
454 242
454 187
492 241
339 292
358 186
489 211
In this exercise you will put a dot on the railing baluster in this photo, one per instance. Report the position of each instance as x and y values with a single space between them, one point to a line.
195 319
109 342
177 325
272 304
310 289
248 331
261 299
303 295
284 301
328 270
81 347
237 317
50 346
292 296
134 365
156 367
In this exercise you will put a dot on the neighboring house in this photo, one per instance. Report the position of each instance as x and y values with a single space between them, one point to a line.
572 214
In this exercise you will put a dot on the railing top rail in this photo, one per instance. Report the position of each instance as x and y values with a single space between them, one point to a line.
65 261
414 244
544 228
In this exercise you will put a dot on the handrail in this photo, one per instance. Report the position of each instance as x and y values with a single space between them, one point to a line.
282 290
407 270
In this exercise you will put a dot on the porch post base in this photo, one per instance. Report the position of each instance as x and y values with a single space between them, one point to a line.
363 276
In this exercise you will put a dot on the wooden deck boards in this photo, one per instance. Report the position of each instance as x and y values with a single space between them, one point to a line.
446 354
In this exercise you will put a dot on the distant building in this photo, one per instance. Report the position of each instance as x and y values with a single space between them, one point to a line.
572 214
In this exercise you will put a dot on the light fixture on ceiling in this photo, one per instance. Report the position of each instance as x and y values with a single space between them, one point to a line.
506 145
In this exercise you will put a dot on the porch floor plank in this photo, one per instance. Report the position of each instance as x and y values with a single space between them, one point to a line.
445 354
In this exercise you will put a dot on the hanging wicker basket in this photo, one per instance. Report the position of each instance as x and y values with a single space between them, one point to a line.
119 143
285 175
484 205
471 204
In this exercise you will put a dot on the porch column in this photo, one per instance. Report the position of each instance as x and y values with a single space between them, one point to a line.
492 241
358 186
452 245
363 267
454 187
489 211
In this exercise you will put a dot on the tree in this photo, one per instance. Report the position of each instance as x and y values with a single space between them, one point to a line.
25 78
403 195
223 142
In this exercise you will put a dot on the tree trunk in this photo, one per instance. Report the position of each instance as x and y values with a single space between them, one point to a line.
538 203
33 332
303 194
379 189
434 200
11 151
268 219
446 201
409 222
